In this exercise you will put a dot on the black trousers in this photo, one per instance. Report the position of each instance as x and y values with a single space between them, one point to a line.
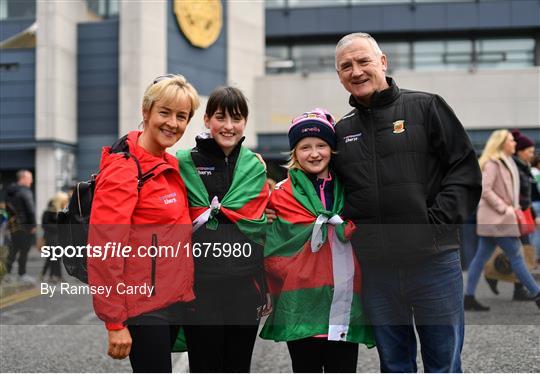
220 349
222 325
151 347
54 267
317 355
21 241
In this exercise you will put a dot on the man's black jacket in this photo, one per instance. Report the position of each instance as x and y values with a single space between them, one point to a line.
20 202
410 175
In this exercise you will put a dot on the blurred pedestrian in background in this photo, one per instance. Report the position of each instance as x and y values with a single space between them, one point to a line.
22 224
535 197
496 218
523 156
49 221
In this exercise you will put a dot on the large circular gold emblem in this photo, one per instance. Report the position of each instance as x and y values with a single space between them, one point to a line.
199 20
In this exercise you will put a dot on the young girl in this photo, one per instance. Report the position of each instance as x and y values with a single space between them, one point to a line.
227 193
312 273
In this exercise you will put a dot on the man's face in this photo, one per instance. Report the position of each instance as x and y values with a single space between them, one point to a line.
360 70
27 180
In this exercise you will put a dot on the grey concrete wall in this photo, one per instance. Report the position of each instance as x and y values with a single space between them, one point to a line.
485 99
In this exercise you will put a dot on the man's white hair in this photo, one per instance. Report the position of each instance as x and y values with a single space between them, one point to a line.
348 39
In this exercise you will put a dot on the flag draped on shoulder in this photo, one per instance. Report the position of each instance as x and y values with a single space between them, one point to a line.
243 204
311 269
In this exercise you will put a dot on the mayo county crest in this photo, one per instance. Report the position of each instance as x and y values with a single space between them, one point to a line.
199 20
399 127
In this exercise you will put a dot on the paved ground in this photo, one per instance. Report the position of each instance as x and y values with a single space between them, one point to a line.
61 334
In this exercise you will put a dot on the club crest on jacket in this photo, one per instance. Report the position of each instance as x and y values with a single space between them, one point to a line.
399 126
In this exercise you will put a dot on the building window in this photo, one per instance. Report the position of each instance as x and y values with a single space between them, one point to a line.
103 8
321 3
17 9
465 54
398 55
442 55
504 53
314 58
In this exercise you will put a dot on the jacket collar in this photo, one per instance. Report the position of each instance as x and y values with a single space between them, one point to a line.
522 165
145 158
209 145
379 98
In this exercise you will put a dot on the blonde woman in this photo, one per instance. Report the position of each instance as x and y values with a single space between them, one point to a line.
49 221
151 211
497 222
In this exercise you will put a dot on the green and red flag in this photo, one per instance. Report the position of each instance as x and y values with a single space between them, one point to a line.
243 204
312 272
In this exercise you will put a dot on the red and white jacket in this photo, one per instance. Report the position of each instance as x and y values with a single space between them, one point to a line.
156 214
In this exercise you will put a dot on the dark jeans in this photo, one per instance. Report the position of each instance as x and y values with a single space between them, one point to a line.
151 347
469 243
21 241
511 247
318 355
430 292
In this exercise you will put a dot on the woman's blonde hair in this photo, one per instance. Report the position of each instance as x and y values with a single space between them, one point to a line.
170 88
493 149
58 202
292 162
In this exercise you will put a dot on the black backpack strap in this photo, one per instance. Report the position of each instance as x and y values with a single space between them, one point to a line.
143 177
121 146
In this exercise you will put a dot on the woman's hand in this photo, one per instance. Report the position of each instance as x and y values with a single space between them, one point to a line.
119 343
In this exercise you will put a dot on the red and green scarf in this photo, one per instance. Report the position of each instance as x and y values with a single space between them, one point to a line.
243 204
312 272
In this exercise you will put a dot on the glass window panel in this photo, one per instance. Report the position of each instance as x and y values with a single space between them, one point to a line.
103 8
398 55
274 3
315 3
442 55
113 7
505 53
278 59
19 8
3 9
277 51
370 2
428 55
314 57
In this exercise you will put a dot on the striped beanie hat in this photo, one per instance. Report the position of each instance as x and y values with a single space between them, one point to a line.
317 123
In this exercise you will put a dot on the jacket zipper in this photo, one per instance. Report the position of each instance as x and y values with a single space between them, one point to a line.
373 152
153 274
230 239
